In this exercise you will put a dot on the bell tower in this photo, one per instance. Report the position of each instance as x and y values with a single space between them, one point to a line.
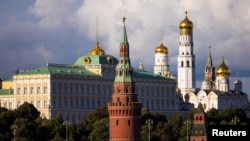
186 57
124 109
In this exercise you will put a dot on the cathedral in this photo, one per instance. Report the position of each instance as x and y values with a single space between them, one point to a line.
97 79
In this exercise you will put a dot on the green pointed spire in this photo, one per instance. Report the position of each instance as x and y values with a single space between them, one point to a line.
124 33
209 59
123 68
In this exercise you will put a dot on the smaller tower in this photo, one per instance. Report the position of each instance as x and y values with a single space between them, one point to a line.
208 83
222 77
238 84
141 66
199 131
161 60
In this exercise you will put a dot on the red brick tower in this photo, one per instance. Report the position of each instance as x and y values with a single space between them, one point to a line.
199 131
124 109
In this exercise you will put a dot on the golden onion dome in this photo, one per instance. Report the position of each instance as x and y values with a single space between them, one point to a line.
186 23
161 49
97 50
223 70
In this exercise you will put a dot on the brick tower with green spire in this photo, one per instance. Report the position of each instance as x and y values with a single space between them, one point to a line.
199 131
124 109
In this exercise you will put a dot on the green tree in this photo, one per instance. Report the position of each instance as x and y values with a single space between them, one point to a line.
213 116
27 110
160 131
24 129
174 127
235 112
44 130
91 118
6 120
100 131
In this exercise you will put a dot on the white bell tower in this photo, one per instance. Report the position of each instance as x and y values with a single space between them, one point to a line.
186 57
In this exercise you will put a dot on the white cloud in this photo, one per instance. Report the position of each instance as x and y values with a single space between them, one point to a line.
54 13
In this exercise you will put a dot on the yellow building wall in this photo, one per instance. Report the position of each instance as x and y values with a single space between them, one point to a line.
7 85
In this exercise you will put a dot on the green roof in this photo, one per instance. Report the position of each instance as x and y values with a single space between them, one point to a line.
147 75
6 91
58 69
96 59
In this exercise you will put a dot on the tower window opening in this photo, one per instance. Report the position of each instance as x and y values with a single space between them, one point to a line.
117 122
120 73
126 90
181 63
187 63
128 122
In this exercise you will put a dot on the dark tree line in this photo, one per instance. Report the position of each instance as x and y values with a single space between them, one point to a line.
26 124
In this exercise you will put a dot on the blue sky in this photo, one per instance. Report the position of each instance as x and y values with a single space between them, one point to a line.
34 32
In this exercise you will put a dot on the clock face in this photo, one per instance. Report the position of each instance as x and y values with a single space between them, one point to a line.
86 60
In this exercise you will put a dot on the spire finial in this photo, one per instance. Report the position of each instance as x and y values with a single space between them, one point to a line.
237 75
124 34
161 36
96 28
123 19
186 14
187 5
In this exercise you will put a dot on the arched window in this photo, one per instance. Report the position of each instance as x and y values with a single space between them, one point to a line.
187 63
181 63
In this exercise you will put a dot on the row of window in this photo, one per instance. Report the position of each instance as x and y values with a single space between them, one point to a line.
32 90
37 103
95 89
187 64
155 91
